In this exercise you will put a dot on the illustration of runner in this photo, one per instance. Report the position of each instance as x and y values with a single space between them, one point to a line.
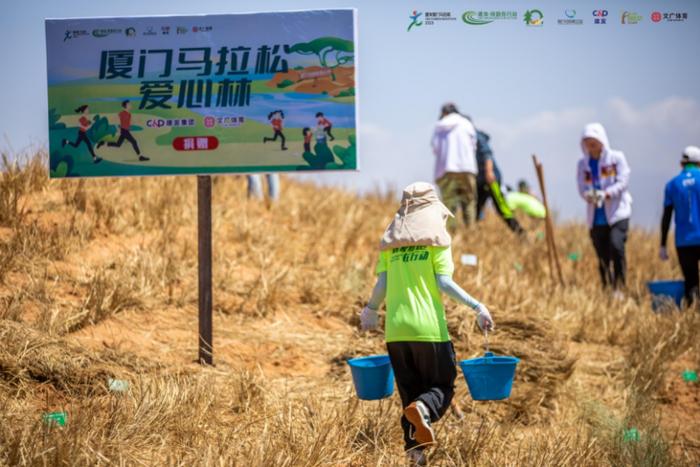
276 118
307 138
82 133
326 124
414 20
320 134
124 132
323 155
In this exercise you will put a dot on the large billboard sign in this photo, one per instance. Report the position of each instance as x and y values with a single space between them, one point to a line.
258 92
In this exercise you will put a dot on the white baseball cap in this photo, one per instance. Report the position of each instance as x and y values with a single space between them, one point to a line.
691 154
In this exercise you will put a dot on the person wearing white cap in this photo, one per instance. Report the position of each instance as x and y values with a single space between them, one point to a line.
603 178
682 195
414 266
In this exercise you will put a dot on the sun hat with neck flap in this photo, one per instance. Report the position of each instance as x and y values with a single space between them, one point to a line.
420 220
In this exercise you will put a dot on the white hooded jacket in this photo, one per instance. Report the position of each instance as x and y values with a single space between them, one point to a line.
613 174
454 145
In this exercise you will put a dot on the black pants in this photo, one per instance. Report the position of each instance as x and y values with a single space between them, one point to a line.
125 135
274 138
424 371
688 257
483 194
83 138
328 132
609 243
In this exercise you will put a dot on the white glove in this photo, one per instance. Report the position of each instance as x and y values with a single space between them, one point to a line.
368 319
589 196
599 198
663 254
596 197
483 318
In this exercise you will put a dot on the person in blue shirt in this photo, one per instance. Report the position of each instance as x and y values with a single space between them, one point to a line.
599 218
682 195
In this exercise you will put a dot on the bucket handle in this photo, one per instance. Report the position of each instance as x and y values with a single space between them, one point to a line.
487 353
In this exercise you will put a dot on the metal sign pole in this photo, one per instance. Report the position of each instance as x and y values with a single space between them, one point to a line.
204 254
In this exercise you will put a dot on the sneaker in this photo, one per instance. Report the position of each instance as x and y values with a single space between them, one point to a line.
144 158
264 140
284 148
416 457
97 160
417 415
618 296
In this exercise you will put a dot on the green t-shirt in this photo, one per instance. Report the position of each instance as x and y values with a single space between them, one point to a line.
526 203
414 310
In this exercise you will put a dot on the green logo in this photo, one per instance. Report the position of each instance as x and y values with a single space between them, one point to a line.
630 17
533 18
414 19
105 32
470 17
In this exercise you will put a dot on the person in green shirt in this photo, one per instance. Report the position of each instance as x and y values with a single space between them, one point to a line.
526 203
415 266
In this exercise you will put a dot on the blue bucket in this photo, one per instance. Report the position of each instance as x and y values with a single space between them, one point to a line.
489 378
372 376
664 292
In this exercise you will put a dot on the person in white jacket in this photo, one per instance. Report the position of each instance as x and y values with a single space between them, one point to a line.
603 178
454 146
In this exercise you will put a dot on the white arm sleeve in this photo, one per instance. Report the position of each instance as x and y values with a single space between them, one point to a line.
449 287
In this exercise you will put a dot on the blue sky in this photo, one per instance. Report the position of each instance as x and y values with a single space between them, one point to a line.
531 88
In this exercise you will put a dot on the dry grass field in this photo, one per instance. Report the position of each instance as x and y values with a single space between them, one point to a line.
98 280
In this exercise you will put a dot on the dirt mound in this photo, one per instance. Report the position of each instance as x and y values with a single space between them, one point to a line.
366 344
335 82
30 356
680 402
545 364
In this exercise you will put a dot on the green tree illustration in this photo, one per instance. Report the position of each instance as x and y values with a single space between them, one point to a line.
332 52
348 155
